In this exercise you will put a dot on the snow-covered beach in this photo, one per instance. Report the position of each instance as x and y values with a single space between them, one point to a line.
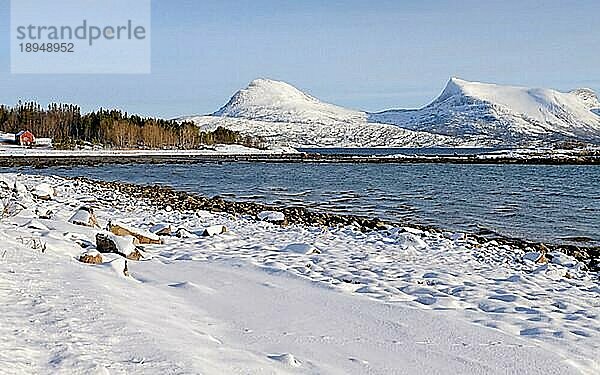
300 187
266 298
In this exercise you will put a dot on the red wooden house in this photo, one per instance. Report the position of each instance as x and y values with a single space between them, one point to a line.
24 138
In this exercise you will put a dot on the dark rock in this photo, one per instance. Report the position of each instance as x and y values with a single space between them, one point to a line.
90 258
108 243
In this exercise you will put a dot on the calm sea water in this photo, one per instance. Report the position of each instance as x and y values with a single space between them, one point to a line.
547 203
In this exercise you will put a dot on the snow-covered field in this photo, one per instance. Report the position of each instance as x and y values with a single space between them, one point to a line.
7 142
14 150
261 298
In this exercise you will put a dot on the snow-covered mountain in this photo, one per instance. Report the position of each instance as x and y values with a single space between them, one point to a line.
588 96
275 101
282 114
335 134
512 115
465 114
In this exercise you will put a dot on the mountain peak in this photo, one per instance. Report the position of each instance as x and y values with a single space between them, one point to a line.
478 90
276 101
457 81
261 81
588 96
466 112
455 86
266 85
262 93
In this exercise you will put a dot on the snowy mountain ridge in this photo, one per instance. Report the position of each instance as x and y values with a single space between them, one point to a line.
588 96
281 114
464 114
336 134
508 113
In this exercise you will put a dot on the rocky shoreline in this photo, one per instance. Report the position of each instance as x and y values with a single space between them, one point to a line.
47 161
169 198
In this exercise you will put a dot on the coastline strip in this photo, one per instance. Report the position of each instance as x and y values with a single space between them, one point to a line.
44 161
163 196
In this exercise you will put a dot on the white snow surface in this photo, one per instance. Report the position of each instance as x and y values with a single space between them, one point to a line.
400 301
81 216
588 97
271 216
43 191
6 150
136 231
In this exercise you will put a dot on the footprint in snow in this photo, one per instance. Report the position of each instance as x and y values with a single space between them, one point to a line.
359 361
100 370
504 297
286 359
426 300
208 336
300 248
186 285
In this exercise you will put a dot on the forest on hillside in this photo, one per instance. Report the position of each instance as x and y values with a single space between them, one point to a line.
68 127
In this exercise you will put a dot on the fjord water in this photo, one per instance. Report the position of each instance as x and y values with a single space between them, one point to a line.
557 204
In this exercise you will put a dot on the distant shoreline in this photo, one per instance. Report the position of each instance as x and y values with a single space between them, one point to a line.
184 157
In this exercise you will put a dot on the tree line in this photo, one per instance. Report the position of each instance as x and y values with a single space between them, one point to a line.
68 127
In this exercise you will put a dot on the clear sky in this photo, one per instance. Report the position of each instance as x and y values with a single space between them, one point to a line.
370 55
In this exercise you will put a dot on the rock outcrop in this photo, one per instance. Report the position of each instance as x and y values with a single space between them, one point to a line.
144 237
124 246
85 217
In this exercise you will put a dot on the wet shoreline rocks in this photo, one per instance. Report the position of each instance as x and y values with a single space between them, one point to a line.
171 199
120 157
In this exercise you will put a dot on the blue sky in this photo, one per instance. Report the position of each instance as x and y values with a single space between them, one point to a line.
370 55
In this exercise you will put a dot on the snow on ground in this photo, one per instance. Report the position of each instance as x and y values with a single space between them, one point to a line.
6 137
7 140
528 154
247 301
11 150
